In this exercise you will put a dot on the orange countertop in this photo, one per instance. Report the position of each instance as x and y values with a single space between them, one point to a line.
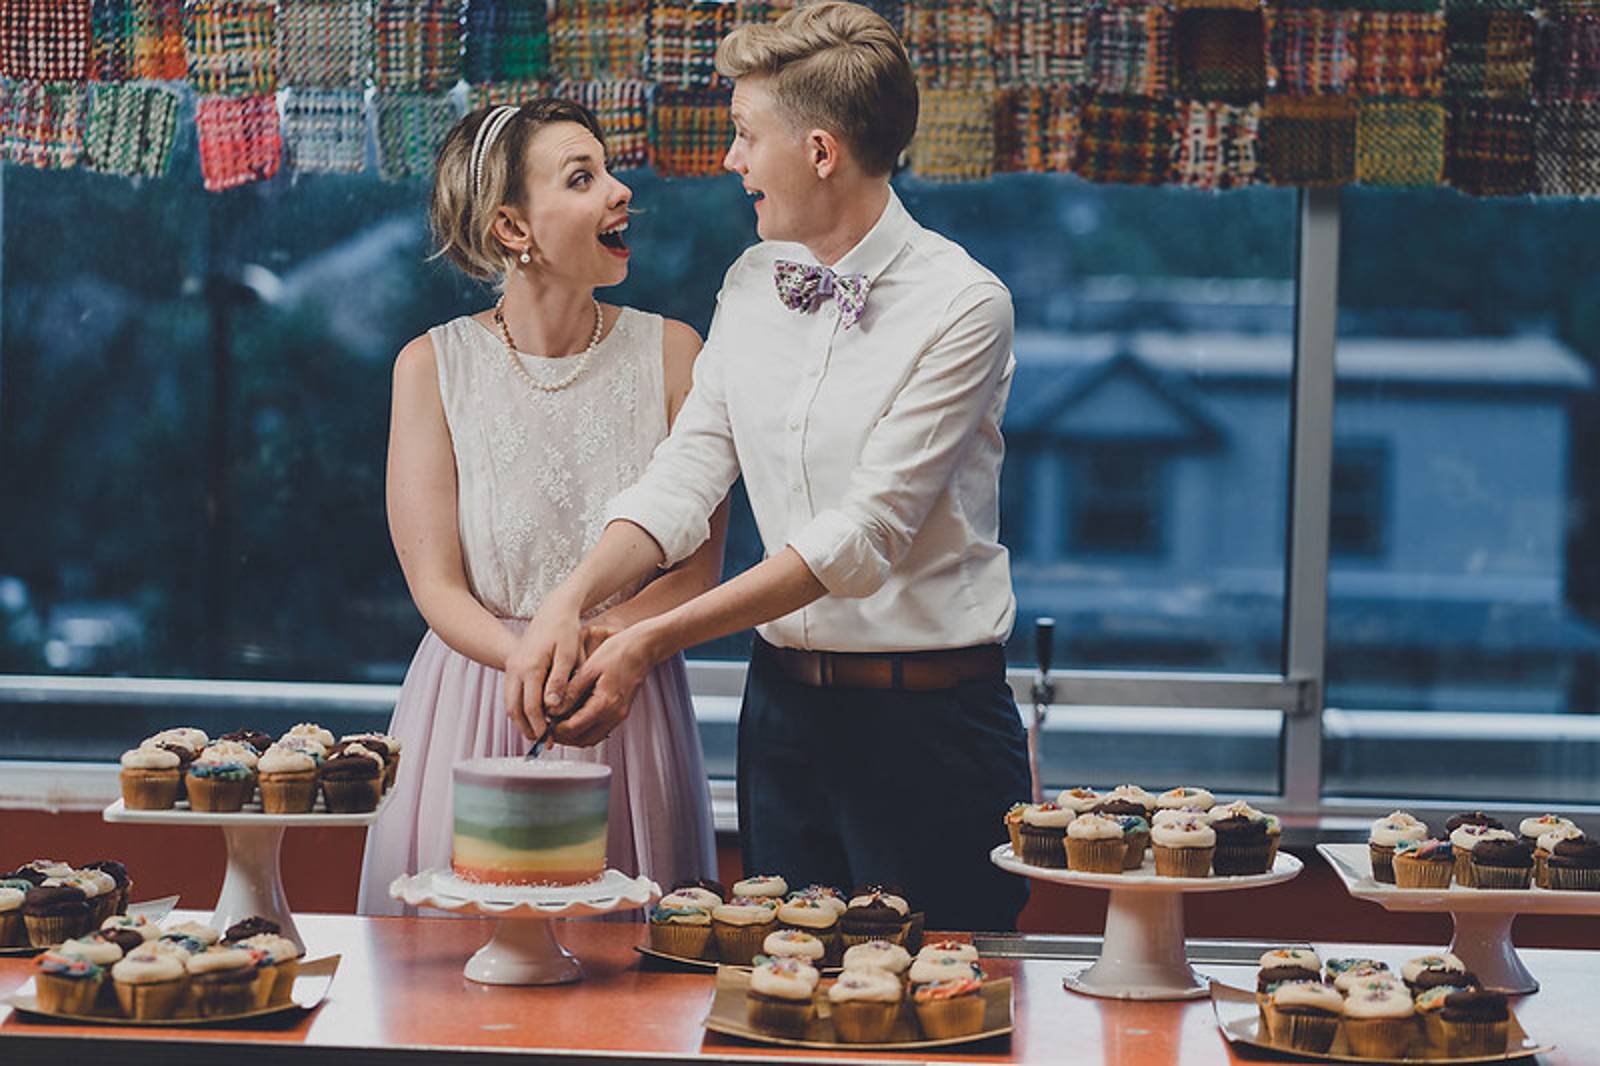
400 989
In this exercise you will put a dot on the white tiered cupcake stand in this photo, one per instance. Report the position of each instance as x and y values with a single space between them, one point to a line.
524 949
253 883
1143 954
1482 916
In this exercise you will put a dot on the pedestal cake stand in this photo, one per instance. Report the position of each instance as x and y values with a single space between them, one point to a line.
1482 916
524 949
253 884
1143 954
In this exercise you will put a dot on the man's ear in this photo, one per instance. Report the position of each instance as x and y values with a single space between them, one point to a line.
822 152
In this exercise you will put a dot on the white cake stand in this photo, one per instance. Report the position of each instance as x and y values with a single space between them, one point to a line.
1482 916
524 949
253 883
1143 955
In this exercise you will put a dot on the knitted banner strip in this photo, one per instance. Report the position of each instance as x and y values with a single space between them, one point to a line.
507 40
623 108
1041 43
683 41
230 46
41 124
692 132
1220 55
1402 54
1420 7
951 43
44 40
411 126
239 140
325 130
1567 142
1568 66
1489 148
515 93
324 44
1130 49
1400 143
753 11
417 45
158 49
599 40
131 130
1488 55
111 40
1217 145
1036 130
1312 52
955 138
1125 139
1308 140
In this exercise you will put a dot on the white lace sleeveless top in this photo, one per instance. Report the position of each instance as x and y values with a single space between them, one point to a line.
535 469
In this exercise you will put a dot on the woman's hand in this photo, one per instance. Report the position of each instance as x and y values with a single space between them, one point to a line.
600 629
538 668
604 686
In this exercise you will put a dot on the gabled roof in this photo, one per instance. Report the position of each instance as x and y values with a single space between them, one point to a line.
1119 398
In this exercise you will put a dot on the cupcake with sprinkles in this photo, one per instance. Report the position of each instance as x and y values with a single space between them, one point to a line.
67 983
882 955
781 994
814 916
950 1008
794 944
1185 797
150 984
762 886
740 925
1079 800
865 1004
1380 1020
1423 864
1386 833
680 927
1044 831
223 778
1096 844
1012 820
875 916
1545 845
1183 849
1304 1015
1429 971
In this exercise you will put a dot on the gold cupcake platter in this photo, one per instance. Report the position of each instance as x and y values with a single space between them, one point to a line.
310 988
154 909
728 1016
913 941
1240 1021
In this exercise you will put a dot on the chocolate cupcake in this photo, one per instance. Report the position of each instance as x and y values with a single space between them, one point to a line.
1574 866
1503 864
253 737
32 876
1385 836
119 874
1422 966
126 939
12 932
1044 835
54 913
1243 846
384 745
1475 1022
875 916
254 925
1431 979
1472 818
352 780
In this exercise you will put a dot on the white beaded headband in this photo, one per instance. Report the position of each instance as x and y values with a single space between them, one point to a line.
488 130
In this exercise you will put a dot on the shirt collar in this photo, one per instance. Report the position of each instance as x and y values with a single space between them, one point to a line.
874 252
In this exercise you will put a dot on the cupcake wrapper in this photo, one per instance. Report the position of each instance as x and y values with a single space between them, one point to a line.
945 1018
1042 847
1541 869
46 931
351 797
150 791
790 1017
1305 1032
1418 874
1433 1030
737 945
291 794
391 767
1474 1038
1235 860
1380 1038
1273 840
65 995
1096 856
1382 863
215 795
213 999
102 907
684 941
1182 862
1133 853
13 934
864 1023
893 936
1503 877
1568 879
1466 877
160 999
1015 833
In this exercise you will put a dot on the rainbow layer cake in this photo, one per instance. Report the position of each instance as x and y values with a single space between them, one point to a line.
521 822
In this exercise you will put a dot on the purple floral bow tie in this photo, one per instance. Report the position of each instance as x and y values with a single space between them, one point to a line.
803 287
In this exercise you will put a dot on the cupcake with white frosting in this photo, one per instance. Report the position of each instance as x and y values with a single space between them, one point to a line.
1095 844
288 779
1380 1020
1079 800
224 980
949 949
12 932
1303 1015
1177 799
865 1004
1430 971
149 984
680 926
312 732
1044 831
1464 839
883 955
150 778
781 994
1183 849
740 925
223 777
1546 843
815 917
794 944
1384 835
761 886
279 958
875 916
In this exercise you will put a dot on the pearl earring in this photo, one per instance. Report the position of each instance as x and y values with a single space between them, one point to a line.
524 258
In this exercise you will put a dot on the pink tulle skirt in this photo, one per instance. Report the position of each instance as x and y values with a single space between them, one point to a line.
451 708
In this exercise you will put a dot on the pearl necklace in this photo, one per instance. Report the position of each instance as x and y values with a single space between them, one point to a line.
581 360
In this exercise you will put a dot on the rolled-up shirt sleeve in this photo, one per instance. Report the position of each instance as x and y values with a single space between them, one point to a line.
693 468
913 451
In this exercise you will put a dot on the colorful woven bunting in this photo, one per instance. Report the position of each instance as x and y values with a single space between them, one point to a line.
754 11
239 141
111 40
683 41
1568 148
1041 43
411 126
131 130
1036 130
1308 140
597 40
324 44
1568 67
515 93
1217 145
1488 55
951 43
1130 49
693 129
44 40
1220 55
1312 51
1400 143
230 46
41 124
623 108
1401 54
507 40
417 45
1489 148
955 138
325 130
158 49
1125 139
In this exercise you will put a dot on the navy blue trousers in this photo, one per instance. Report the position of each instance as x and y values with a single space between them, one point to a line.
848 787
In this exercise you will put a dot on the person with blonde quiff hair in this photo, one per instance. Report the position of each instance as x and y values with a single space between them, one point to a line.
855 375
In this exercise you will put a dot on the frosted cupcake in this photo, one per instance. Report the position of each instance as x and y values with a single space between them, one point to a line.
199 932
794 944
780 996
1364 974
1474 1022
1427 971
882 955
812 916
740 925
1303 1015
826 895
1545 845
1423 864
949 949
1244 845
865 1004
1183 849
279 959
933 968
948 1009
223 778
1187 796
1574 866
67 983
1012 820
224 981
1174 815
1386 833
1380 1020
707 894
680 927
387 747
1044 831
762 886
149 984
1502 864
1078 800
150 778
1134 794
874 916
312 732
1463 839
1095 844
12 932
352 780
288 779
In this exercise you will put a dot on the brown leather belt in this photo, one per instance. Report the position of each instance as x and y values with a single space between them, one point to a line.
911 671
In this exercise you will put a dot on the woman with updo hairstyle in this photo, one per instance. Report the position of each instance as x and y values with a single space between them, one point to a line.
511 430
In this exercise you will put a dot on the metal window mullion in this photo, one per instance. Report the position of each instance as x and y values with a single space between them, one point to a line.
1310 481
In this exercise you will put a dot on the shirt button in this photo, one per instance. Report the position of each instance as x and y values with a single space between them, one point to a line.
796 488
794 423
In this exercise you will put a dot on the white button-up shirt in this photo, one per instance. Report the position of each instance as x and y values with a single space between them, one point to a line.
873 451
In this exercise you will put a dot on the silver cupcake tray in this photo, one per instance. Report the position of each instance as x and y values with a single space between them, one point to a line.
1482 916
